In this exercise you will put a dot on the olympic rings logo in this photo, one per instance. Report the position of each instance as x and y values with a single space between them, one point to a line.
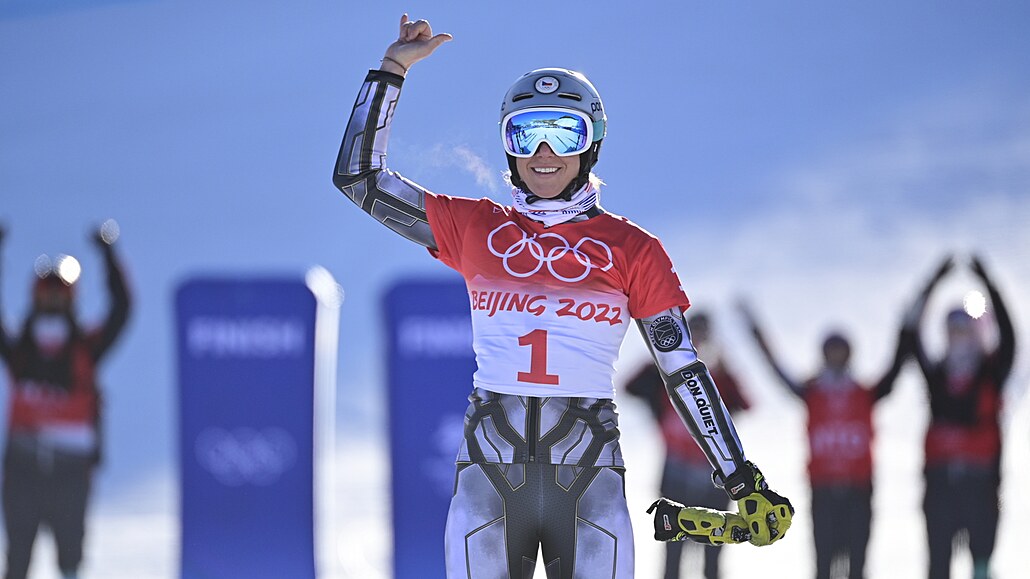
245 455
533 247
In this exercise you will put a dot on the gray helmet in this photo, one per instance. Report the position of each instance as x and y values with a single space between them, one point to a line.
558 87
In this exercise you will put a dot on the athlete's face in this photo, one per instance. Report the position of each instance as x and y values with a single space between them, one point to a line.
545 173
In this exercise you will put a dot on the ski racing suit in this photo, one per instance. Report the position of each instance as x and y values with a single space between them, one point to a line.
540 466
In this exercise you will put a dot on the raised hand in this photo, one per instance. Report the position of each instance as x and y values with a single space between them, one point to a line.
947 265
752 322
415 42
915 311
105 234
978 268
748 314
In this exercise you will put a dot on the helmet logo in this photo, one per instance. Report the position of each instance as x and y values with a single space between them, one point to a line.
546 84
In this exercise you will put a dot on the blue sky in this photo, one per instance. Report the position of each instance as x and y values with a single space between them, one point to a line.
815 157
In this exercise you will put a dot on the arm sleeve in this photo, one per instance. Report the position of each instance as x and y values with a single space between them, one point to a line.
692 390
657 302
361 172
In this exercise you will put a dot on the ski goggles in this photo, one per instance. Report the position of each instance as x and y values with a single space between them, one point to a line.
568 132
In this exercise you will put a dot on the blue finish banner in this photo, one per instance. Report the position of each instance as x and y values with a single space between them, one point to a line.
247 364
429 365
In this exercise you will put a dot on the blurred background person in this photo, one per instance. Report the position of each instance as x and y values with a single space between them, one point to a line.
963 442
686 474
53 428
840 448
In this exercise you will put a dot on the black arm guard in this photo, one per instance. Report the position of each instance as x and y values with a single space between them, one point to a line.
700 407
361 172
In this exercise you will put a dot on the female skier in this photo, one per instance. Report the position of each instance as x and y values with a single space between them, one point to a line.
553 282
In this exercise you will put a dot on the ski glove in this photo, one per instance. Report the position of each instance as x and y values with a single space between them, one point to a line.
676 522
767 514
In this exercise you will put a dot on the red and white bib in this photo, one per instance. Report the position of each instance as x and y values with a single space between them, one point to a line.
550 306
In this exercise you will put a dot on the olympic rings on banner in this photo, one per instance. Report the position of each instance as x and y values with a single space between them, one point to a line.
245 455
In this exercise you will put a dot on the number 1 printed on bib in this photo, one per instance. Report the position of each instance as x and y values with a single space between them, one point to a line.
537 342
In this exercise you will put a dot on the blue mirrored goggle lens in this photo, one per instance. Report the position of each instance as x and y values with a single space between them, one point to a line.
566 133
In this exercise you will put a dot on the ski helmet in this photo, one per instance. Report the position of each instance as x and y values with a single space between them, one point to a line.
558 87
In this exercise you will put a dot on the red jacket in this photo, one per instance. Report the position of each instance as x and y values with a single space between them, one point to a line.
37 401
964 424
840 433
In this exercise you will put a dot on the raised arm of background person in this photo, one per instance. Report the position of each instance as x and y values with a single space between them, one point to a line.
119 301
1006 350
912 328
361 172
732 392
791 384
885 384
6 341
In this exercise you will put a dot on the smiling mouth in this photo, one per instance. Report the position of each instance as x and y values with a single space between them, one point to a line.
545 170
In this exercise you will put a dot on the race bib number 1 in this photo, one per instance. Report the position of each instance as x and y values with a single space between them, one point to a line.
537 342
